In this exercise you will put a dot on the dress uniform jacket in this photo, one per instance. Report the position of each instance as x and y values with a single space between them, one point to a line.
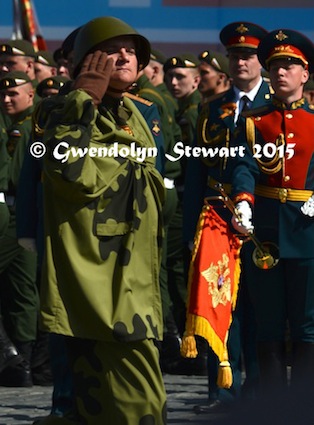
215 129
283 179
104 288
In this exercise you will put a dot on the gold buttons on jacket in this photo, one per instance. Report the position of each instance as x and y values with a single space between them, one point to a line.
290 136
289 116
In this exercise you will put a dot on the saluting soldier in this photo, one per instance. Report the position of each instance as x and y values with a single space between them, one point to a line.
103 232
273 190
219 119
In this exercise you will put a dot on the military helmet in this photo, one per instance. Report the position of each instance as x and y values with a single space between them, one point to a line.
104 28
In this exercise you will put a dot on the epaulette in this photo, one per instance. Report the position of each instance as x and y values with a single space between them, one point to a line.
255 111
138 99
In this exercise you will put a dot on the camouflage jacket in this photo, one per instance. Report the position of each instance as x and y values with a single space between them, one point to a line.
103 225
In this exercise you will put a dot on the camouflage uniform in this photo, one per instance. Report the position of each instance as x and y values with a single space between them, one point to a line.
103 238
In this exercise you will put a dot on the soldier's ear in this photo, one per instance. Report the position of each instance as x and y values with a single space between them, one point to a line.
305 76
31 94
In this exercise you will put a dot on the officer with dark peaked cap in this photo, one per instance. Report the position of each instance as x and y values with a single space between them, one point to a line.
279 190
217 124
238 35
19 298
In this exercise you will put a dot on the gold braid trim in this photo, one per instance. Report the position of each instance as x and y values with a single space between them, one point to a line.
267 167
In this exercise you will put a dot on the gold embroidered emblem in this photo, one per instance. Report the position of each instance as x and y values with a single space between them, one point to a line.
242 29
281 36
156 128
228 109
219 282
174 61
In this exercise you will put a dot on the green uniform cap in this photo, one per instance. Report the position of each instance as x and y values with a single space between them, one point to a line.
185 60
217 60
17 48
103 29
158 56
285 43
14 79
45 58
55 82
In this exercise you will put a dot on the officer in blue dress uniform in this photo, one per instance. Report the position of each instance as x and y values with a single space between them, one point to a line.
273 192
218 121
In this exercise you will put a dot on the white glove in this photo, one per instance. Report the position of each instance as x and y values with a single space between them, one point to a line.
308 207
28 243
242 220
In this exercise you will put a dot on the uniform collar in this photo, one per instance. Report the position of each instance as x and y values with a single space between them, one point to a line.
279 104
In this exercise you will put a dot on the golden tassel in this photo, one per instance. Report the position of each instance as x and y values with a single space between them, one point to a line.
188 346
224 379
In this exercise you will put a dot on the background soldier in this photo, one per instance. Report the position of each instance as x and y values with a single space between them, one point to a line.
45 65
217 124
280 191
214 74
19 298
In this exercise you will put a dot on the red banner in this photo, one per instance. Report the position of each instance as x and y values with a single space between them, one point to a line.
213 281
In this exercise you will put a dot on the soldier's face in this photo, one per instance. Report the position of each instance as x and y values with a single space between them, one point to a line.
244 67
182 81
210 79
125 65
16 99
10 63
287 79
43 71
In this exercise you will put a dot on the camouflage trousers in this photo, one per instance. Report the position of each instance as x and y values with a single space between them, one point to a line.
117 383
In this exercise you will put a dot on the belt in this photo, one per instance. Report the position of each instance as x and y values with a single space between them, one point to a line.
283 194
2 198
211 182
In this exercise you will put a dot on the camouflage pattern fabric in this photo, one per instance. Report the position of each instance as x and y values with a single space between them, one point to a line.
117 383
103 226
